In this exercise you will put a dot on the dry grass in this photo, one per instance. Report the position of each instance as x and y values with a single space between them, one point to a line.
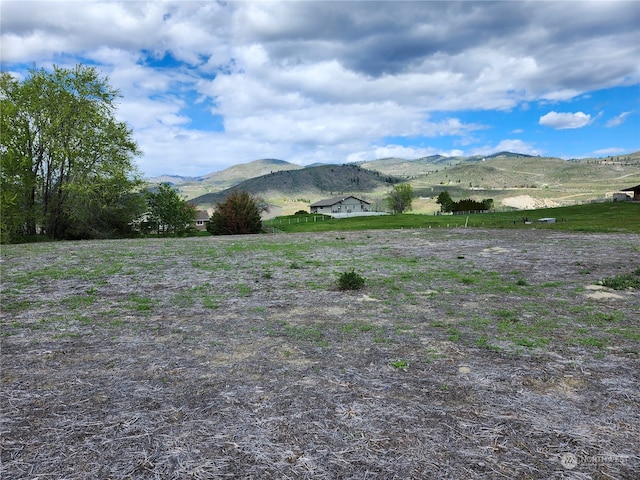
468 354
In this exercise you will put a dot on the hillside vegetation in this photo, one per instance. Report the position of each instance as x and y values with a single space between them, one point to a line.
192 187
512 180
309 183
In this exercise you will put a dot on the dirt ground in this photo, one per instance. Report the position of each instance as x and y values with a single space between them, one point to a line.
468 354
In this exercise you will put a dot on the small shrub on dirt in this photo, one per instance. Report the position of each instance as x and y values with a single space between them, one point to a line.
400 364
622 282
350 280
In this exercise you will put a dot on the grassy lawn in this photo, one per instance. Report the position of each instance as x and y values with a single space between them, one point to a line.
596 217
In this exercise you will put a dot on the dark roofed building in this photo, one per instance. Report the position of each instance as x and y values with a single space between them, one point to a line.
635 190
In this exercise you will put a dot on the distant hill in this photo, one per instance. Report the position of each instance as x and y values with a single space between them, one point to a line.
243 171
172 179
509 155
310 182
502 172
409 168
191 187
421 166
528 182
510 178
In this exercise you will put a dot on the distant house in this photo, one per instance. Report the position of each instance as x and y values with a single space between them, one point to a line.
348 204
635 190
201 220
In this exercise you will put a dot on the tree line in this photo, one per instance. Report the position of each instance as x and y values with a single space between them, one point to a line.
67 167
67 164
448 205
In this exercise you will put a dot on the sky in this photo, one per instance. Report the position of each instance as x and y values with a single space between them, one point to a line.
209 84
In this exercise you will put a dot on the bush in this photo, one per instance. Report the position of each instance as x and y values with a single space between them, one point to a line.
350 280
238 214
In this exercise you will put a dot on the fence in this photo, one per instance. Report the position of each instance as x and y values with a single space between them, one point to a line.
270 229
290 221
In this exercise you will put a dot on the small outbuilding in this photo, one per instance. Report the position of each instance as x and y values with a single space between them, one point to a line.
345 204
635 190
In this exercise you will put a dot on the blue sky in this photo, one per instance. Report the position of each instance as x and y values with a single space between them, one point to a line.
208 84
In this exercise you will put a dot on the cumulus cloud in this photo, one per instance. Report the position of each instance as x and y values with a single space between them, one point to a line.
311 81
566 120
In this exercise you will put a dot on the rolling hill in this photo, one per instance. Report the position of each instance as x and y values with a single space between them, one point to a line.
513 180
532 182
192 187
308 183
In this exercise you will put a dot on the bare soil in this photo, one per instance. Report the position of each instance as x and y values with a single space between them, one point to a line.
468 354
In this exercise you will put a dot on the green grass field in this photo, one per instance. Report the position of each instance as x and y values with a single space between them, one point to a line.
595 217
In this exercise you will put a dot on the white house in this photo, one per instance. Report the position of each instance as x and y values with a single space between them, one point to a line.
201 219
348 204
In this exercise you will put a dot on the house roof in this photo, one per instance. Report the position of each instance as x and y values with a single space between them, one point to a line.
202 215
631 189
332 201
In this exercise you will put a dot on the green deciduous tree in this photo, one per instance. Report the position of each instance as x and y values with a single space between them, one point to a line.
168 213
400 198
238 214
66 162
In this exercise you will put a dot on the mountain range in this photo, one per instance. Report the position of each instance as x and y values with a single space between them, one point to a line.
513 180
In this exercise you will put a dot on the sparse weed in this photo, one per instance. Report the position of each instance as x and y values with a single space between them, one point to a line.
624 281
141 304
592 342
244 290
354 327
210 302
506 314
400 364
483 342
454 334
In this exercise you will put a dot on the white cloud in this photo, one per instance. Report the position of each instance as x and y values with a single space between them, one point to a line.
562 121
508 145
559 95
327 81
618 120
610 151
400 151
